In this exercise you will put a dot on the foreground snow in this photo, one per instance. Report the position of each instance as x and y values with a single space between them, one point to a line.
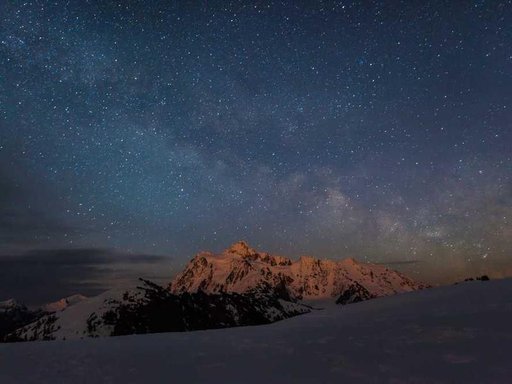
452 334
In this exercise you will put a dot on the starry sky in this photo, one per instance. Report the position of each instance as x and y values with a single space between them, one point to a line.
134 134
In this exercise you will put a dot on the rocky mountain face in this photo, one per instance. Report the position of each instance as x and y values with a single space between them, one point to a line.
354 293
241 269
150 308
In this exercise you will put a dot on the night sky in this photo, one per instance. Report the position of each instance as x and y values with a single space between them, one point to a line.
134 134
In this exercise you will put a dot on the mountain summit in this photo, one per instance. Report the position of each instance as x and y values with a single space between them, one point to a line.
241 269
240 248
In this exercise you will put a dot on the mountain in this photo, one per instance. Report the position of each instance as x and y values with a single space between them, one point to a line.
238 287
241 269
150 308
14 315
8 305
71 323
62 304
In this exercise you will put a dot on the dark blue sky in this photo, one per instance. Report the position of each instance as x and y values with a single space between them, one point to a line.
379 130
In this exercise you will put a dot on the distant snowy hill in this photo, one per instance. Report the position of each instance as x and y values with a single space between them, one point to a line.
62 304
242 269
8 305
455 334
71 322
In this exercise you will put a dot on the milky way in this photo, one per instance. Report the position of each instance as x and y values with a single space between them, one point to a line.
379 130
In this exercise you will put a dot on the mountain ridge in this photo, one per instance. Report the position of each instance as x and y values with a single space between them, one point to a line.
241 268
63 303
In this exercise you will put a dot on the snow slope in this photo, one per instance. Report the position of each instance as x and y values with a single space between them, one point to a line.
454 334
71 322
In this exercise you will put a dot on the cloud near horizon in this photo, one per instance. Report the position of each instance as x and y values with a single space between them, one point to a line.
39 276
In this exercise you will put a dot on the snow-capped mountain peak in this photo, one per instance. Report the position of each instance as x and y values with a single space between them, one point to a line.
241 269
240 248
